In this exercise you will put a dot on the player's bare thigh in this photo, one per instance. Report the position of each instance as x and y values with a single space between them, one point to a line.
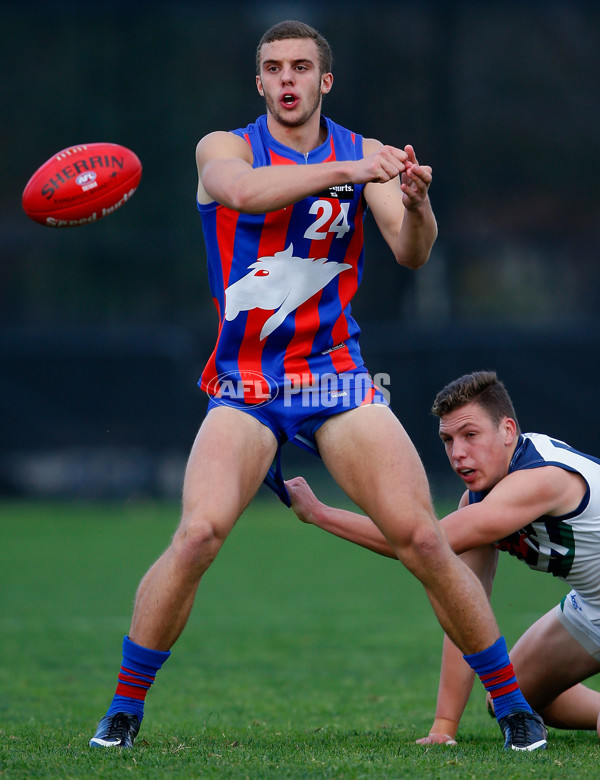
228 462
548 660
370 455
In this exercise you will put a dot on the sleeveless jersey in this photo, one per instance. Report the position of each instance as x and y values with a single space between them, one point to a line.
282 282
567 546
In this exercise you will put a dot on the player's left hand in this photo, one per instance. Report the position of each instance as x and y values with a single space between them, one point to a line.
414 181
437 739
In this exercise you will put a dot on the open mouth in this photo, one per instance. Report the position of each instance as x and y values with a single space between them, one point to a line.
289 100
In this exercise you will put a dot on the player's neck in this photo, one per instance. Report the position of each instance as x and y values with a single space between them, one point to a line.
302 139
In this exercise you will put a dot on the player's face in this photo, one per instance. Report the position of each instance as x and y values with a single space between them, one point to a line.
290 80
479 451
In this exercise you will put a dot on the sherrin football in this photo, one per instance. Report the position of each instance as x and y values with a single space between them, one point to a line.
82 184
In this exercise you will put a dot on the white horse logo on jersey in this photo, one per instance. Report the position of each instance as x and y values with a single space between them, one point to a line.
282 282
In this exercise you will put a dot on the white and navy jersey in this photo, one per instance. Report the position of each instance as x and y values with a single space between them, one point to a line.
567 546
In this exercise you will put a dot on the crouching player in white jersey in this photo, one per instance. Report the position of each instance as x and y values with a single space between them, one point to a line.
534 497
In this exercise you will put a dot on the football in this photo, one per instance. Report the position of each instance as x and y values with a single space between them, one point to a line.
82 184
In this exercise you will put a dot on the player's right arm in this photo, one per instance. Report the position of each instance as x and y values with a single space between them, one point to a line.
226 175
344 523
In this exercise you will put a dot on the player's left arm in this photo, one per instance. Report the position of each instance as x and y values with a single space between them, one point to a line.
517 500
402 210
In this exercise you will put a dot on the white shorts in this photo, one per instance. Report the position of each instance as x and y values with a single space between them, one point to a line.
577 616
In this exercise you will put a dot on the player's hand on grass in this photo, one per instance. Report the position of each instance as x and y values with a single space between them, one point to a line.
304 501
442 732
436 739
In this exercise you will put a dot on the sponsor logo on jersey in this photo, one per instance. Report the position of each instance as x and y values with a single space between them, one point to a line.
341 345
338 191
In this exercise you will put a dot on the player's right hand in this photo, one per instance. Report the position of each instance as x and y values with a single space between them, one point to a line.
303 499
382 165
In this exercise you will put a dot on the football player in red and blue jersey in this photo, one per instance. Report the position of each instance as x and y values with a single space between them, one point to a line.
282 203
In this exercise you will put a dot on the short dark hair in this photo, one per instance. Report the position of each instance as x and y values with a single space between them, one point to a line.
481 387
293 29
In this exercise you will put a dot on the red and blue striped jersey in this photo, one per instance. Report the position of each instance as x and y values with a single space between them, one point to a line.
282 282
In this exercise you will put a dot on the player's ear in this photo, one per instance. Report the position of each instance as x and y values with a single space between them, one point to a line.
259 87
510 429
326 83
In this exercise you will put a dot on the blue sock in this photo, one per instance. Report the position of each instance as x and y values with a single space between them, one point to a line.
138 671
498 677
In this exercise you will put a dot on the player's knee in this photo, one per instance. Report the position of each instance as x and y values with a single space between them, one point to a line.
421 548
197 543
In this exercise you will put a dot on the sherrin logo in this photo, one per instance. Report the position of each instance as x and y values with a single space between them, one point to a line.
79 167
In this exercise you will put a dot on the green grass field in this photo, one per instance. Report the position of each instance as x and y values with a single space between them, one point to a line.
305 657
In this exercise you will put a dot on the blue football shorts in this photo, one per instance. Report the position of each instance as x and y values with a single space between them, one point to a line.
295 414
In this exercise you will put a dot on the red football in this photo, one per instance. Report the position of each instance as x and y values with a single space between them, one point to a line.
82 184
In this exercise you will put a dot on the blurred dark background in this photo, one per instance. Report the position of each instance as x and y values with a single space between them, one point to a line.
105 328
